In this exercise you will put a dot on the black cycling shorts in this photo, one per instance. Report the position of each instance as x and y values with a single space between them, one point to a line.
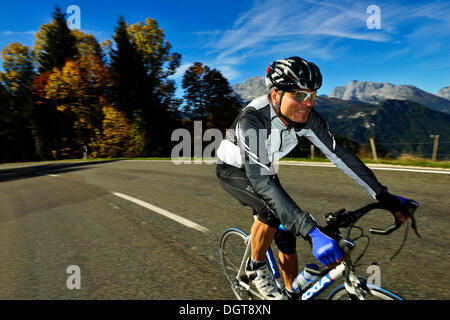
235 181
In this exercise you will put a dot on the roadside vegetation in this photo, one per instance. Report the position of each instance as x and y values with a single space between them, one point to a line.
405 160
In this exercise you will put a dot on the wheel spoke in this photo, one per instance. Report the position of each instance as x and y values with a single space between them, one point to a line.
233 247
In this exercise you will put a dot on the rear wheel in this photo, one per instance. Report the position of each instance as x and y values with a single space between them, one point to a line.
232 254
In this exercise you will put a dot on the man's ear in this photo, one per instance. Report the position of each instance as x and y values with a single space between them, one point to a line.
275 96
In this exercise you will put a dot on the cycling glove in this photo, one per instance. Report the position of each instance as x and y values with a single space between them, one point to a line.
325 249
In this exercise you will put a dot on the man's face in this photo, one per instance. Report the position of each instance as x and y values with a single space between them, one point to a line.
297 107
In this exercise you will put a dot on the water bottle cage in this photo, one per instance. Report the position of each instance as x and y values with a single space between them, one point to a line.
316 272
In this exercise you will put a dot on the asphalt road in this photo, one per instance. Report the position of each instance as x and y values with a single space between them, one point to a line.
56 215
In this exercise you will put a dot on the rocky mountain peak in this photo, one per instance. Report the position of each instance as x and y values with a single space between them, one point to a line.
444 93
361 91
250 89
374 93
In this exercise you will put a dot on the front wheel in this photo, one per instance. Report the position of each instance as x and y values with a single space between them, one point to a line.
375 293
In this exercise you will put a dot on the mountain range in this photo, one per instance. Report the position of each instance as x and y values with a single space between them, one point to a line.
372 92
401 117
444 93
359 91
399 127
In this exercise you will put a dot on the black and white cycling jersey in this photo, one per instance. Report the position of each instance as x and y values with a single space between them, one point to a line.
259 139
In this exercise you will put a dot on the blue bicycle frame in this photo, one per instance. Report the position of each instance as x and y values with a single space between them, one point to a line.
318 286
355 286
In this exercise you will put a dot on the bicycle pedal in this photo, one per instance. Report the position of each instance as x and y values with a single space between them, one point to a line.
244 278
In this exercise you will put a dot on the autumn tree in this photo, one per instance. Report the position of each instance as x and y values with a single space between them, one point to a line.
71 88
209 97
6 126
18 67
161 113
54 130
66 93
159 62
142 63
86 44
79 90
115 139
17 78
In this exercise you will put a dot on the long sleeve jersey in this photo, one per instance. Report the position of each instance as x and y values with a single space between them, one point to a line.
257 141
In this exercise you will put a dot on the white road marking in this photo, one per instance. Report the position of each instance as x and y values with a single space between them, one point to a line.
163 212
46 174
307 164
410 170
368 165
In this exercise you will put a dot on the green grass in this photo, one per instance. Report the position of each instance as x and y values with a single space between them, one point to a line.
413 162
403 161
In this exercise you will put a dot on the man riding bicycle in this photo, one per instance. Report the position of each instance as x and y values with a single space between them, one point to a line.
265 131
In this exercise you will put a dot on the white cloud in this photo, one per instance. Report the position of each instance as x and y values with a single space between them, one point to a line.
272 22
425 28
228 71
321 28
274 28
18 33
100 35
178 75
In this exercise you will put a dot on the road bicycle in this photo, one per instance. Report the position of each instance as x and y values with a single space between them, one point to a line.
235 249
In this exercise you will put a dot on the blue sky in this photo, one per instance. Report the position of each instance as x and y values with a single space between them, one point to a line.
241 37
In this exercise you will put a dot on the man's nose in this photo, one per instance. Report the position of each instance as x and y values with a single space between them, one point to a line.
307 103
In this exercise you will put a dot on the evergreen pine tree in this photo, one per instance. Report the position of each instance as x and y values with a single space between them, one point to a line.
59 44
129 72
222 107
209 97
137 94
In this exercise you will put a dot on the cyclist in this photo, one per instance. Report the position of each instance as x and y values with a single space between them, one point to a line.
266 130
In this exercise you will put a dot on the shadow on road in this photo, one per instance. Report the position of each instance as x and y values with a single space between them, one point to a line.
43 169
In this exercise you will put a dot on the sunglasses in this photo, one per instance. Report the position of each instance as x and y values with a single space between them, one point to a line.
301 96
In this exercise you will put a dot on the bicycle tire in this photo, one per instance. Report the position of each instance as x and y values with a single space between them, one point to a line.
231 252
376 293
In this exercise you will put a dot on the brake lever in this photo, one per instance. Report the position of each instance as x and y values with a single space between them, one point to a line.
411 207
414 225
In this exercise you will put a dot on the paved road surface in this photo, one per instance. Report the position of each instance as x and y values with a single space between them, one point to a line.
91 214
